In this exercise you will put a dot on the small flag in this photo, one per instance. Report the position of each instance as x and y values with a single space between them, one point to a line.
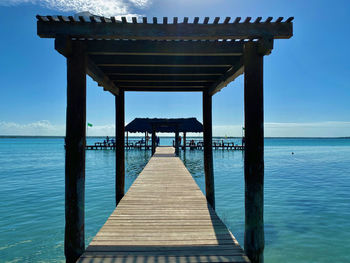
89 124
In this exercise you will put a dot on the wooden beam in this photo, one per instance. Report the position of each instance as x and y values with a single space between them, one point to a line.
52 29
159 61
173 75
163 78
254 153
164 89
119 150
64 46
235 71
163 70
208 149
96 74
163 48
265 47
171 81
164 84
74 242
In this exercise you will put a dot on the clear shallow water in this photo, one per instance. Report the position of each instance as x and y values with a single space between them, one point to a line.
307 196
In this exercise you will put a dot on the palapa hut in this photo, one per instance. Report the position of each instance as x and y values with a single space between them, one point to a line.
174 125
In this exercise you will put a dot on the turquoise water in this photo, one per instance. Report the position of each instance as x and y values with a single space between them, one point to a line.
307 196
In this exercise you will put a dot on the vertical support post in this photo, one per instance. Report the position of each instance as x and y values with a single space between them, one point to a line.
74 241
254 153
184 141
208 149
153 140
127 139
120 149
177 142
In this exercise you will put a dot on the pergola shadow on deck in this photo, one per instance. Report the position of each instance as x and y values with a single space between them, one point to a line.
179 56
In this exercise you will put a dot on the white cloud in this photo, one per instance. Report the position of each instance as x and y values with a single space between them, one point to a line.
97 7
35 128
315 129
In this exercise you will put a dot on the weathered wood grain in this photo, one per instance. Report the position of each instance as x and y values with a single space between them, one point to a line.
164 217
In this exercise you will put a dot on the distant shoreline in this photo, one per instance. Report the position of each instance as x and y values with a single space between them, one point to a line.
223 137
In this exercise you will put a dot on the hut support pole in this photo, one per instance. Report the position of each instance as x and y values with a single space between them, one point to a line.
127 138
120 150
153 141
177 143
184 141
254 153
208 149
74 242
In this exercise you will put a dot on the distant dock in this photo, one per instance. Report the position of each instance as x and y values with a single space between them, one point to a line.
218 144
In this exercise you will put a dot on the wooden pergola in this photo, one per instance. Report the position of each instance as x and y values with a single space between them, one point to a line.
193 56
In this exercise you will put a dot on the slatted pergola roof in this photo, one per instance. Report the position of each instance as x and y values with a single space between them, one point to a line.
162 55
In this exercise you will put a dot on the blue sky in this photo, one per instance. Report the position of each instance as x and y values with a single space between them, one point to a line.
306 78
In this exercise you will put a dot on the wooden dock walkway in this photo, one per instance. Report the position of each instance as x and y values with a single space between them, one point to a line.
164 218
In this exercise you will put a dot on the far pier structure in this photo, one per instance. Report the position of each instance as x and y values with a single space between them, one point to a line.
164 218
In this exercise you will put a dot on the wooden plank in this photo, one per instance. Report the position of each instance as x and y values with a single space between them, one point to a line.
182 31
164 259
226 252
164 217
185 249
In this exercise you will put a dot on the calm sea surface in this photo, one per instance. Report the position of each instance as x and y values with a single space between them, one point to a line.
307 196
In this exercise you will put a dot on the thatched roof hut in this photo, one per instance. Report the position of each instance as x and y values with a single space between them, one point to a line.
164 125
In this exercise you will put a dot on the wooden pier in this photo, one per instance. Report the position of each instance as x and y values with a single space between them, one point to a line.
197 145
164 218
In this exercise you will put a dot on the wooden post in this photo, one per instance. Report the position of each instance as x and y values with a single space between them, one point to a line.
208 149
254 153
74 242
153 141
177 142
184 141
146 140
127 138
120 151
